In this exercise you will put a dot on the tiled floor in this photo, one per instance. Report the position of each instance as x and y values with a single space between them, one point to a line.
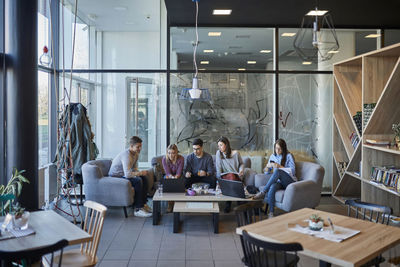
136 242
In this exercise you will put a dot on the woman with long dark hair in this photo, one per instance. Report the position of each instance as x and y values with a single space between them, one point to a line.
229 164
283 174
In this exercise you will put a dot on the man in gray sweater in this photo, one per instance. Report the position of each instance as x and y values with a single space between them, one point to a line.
125 165
199 167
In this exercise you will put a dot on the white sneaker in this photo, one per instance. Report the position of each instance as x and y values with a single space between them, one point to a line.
142 213
147 208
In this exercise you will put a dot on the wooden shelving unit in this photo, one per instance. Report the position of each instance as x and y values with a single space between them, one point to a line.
367 79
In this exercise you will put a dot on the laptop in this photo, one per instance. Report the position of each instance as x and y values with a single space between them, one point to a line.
173 185
232 188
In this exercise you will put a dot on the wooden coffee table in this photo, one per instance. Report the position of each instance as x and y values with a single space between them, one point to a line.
181 205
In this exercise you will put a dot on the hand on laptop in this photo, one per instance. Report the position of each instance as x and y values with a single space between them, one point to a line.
202 173
188 174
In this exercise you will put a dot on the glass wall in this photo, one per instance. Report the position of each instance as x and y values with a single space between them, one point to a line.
43 117
305 118
240 107
222 48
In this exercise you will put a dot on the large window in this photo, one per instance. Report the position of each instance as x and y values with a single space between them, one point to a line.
43 117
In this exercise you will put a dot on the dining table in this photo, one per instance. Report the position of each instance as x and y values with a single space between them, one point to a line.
371 241
49 227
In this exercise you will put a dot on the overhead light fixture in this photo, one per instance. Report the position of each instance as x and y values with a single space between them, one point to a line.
222 11
214 34
265 51
196 93
316 12
316 37
201 69
373 35
288 34
241 69
120 8
204 62
333 52
208 51
251 62
307 63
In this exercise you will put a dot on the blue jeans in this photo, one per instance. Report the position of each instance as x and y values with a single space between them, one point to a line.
278 180
141 186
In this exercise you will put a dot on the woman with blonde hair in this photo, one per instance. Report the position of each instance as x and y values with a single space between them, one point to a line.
173 167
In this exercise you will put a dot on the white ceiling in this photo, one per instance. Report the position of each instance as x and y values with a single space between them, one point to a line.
140 15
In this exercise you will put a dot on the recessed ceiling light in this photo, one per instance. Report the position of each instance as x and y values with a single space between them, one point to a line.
129 23
208 51
251 62
204 62
120 8
288 34
265 51
333 52
316 12
214 34
307 62
232 79
241 69
201 69
376 35
222 11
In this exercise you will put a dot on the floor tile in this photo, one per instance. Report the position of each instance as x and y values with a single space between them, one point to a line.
138 263
144 254
223 254
117 254
164 263
171 254
198 254
237 263
195 263
113 263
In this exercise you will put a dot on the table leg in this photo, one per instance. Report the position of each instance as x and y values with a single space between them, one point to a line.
176 222
156 212
216 222
324 264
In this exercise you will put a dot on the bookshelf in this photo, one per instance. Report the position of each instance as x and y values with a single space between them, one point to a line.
370 84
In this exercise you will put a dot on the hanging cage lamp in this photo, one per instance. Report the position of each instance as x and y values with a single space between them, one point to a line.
316 39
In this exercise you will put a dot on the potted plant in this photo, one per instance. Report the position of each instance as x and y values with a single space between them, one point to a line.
396 130
19 217
14 187
315 223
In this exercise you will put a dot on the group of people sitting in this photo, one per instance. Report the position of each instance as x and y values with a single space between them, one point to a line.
199 168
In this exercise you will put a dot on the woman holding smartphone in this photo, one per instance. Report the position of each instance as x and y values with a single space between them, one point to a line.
281 165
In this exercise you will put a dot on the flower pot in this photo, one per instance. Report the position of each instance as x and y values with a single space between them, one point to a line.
21 222
315 226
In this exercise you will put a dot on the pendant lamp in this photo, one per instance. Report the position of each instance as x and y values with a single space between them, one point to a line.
195 93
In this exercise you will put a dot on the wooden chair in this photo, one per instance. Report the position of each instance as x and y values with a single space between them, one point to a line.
369 211
373 213
31 257
6 202
248 213
262 253
86 255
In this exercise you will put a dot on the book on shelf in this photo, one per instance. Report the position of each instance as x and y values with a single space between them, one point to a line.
377 142
354 139
386 175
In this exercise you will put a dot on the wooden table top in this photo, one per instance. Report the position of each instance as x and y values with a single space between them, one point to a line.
50 227
183 197
372 240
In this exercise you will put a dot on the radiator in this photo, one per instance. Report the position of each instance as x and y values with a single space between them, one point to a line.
47 184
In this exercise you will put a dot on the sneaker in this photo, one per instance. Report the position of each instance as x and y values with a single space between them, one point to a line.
259 195
270 215
142 213
147 208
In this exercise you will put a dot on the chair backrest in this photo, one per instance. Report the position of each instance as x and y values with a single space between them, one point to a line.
310 171
369 211
6 202
29 257
93 225
249 213
263 253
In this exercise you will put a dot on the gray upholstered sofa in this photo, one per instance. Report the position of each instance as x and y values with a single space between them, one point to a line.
109 191
305 193
159 172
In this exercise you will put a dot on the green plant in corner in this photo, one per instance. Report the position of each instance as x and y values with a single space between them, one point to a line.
14 186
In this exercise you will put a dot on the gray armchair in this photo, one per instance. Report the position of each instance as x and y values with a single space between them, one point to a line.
305 193
109 191
159 172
